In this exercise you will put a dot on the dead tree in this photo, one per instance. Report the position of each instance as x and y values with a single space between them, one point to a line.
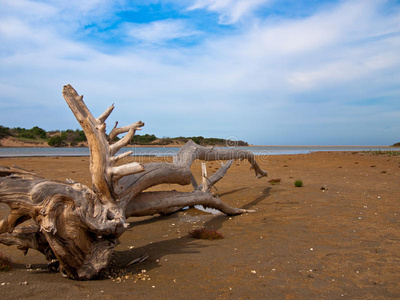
76 227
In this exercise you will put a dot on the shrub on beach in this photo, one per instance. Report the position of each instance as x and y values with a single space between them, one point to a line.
298 183
274 181
5 263
205 234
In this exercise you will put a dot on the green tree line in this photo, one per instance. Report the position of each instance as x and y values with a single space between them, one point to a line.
153 140
67 137
32 134
56 138
71 137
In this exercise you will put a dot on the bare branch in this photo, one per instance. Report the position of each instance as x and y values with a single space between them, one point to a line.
127 169
101 152
121 156
114 148
153 174
194 183
97 140
105 114
75 103
204 177
191 151
217 176
149 203
116 131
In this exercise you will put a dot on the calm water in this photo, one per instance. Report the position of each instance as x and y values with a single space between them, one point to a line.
170 151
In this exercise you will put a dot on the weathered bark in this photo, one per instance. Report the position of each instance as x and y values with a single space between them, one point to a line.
71 222
78 226
105 174
191 151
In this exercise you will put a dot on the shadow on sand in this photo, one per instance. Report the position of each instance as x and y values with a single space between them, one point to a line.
183 245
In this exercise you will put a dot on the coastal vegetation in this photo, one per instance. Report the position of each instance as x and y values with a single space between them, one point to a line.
37 135
67 138
298 183
73 138
380 152
148 139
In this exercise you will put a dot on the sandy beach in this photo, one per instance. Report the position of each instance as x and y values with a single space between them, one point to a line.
337 237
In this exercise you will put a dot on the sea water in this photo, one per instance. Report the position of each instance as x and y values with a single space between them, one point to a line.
171 151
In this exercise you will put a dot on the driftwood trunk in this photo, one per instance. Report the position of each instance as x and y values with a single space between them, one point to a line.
77 226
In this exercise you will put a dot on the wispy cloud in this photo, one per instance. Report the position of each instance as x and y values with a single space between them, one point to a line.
230 11
159 32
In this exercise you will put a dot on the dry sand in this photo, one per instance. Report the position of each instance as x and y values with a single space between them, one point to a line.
339 242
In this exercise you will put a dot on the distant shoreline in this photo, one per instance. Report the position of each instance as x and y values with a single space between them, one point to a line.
28 145
170 150
12 143
9 142
331 146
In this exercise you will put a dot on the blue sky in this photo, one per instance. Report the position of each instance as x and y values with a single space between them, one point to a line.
270 72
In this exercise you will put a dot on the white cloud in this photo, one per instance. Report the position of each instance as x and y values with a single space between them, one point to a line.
231 11
344 70
26 8
332 47
159 32
86 11
346 23
13 28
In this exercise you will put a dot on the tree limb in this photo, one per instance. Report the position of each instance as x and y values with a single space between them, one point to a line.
104 175
149 203
191 151
116 131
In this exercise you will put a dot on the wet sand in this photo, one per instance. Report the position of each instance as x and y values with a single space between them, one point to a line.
337 237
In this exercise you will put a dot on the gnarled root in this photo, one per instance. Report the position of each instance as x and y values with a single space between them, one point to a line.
72 225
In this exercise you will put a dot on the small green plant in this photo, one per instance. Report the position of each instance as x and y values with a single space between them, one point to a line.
274 181
298 183
205 234
5 263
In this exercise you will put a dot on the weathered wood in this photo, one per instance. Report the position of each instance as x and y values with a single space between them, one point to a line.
70 220
78 226
149 203
104 174
204 177
217 176
191 151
